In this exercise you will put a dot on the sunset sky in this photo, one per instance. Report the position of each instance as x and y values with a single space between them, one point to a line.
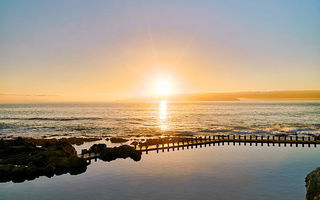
106 50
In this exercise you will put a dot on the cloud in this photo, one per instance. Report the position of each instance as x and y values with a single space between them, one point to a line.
7 97
29 95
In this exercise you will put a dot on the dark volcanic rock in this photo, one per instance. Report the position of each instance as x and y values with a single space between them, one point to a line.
124 151
109 154
71 140
21 160
118 140
313 185
158 141
97 148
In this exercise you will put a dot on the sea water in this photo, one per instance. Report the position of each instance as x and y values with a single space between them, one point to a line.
154 118
216 172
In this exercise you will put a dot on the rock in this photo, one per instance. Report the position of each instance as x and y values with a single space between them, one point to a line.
19 174
5 172
123 151
97 148
71 140
134 143
313 185
61 145
118 140
158 141
21 160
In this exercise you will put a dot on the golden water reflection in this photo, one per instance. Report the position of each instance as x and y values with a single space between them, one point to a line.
163 118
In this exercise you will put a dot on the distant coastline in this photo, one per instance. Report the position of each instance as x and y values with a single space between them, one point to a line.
281 95
294 95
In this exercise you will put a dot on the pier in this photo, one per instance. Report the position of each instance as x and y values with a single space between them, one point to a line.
88 155
251 140
199 142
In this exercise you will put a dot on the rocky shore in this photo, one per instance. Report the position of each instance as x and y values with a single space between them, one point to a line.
28 158
313 185
21 160
71 140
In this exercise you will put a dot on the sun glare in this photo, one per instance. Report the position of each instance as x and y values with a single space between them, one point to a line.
163 87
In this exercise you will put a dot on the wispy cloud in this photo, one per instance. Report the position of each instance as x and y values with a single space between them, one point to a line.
28 95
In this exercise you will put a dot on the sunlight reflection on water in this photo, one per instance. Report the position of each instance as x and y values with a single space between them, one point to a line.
163 121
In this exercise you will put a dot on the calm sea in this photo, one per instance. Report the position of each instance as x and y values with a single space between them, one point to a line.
216 172
204 118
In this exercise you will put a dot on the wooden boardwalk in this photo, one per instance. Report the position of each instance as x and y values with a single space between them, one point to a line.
231 140
195 142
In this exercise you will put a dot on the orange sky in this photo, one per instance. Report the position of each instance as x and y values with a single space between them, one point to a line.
120 50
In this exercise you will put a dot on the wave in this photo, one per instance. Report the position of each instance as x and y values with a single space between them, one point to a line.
52 119
215 130
268 131
302 130
187 132
7 126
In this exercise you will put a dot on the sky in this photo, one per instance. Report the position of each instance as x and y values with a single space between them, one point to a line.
79 50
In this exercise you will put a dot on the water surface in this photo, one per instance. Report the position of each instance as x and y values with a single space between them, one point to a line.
102 119
219 172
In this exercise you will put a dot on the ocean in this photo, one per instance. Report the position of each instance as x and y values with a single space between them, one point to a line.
235 171
159 118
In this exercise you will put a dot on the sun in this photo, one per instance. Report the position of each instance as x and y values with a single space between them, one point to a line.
163 87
